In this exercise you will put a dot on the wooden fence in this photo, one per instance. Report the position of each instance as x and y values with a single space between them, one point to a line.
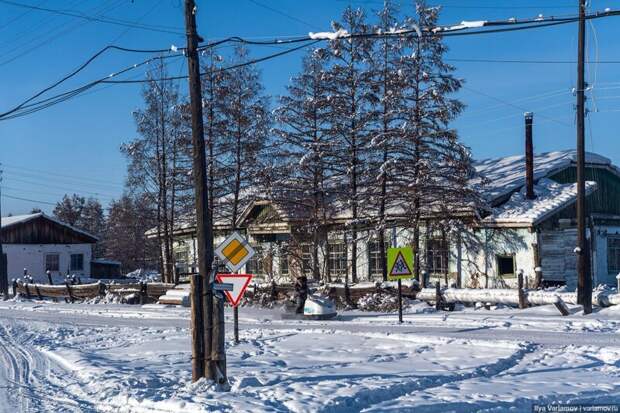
338 293
144 291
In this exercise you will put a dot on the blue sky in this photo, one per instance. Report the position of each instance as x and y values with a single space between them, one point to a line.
74 146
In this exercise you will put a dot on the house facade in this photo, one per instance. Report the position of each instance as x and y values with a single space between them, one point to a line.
38 243
514 233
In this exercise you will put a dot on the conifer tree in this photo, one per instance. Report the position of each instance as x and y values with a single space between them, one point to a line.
154 158
305 155
245 134
348 86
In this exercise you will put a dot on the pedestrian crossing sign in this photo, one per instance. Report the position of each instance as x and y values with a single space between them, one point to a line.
400 263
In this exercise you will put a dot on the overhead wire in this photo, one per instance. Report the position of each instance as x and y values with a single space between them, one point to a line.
48 37
36 201
508 103
101 19
29 172
524 24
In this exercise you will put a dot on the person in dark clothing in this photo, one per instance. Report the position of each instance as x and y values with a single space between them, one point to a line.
301 293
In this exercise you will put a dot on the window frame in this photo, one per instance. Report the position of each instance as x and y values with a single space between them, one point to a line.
47 266
306 258
498 257
283 265
337 264
613 264
442 253
256 260
81 260
374 257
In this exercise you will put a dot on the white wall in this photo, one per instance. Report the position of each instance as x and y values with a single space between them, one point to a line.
32 257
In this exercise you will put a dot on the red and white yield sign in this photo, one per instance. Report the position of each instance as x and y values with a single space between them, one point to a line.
239 281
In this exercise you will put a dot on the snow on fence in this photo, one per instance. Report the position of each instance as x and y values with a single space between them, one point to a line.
341 294
143 291
518 297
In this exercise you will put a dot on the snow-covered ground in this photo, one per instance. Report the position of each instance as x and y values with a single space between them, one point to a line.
120 358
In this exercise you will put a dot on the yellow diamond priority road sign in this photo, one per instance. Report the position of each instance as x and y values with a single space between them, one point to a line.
234 251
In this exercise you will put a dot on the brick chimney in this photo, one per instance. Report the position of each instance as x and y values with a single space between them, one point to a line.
529 157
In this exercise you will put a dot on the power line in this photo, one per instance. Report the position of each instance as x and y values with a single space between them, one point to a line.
45 103
523 25
281 13
19 16
67 188
38 174
26 48
524 61
507 103
102 19
223 69
28 200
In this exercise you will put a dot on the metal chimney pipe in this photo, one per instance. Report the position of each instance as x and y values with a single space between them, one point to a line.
529 157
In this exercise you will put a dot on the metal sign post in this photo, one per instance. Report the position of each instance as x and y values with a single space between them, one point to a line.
400 266
235 251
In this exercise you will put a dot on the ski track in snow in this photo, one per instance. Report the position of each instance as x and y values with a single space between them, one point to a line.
101 358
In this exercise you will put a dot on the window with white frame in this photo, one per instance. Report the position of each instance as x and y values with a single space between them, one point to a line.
52 262
284 264
337 259
613 254
254 265
375 266
306 258
437 256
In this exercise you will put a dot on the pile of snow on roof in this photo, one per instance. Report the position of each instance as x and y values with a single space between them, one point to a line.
550 196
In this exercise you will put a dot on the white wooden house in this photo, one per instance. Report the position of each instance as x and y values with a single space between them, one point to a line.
38 243
515 233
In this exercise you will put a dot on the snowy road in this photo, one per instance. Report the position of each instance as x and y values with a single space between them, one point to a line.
110 358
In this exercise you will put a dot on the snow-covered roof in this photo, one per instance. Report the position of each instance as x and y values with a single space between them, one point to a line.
17 219
550 197
505 175
20 219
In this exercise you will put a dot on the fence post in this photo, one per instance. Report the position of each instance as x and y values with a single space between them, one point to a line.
102 288
437 296
49 277
14 287
522 303
274 293
142 292
69 291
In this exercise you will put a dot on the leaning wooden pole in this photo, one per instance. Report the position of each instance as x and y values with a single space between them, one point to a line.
204 229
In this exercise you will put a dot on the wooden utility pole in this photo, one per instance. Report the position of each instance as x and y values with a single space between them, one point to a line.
202 312
529 156
584 279
4 281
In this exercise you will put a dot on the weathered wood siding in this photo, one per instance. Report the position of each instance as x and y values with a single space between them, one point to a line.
43 231
558 259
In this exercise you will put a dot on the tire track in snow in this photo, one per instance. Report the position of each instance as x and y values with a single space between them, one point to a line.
28 374
369 397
